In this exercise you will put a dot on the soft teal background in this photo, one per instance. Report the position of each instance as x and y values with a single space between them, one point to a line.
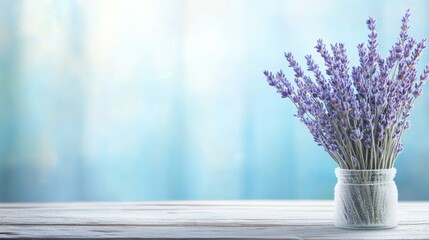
163 100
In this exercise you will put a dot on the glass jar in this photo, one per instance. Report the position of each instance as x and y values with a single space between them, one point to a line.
365 198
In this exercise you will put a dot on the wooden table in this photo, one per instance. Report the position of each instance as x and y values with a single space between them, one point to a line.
197 220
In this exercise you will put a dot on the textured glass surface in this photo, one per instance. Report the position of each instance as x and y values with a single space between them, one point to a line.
366 198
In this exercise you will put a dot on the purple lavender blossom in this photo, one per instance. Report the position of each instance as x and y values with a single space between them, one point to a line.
356 135
360 116
355 161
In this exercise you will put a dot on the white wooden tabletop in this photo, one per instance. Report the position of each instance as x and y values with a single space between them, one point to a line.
197 220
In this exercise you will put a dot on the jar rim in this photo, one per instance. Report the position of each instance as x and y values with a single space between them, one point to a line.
384 170
365 177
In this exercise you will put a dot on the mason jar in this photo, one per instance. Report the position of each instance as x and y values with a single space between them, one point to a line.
365 199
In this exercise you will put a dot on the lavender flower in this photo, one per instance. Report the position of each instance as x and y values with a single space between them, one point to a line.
356 135
357 114
355 161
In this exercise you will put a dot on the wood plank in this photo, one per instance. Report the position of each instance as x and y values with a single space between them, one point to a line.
197 220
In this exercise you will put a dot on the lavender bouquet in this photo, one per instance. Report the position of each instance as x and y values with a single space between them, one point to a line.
358 116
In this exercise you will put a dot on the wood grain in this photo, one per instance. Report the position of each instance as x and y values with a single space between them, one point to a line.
197 220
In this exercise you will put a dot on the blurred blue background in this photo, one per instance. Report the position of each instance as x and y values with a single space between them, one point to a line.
166 100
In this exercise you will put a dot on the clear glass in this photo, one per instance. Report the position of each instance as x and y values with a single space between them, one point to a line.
366 199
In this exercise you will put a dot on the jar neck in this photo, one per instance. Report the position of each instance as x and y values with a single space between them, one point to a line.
378 176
